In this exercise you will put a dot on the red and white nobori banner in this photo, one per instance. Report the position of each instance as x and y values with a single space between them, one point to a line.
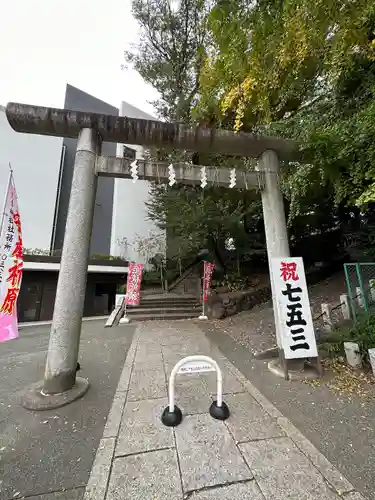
11 264
207 278
133 287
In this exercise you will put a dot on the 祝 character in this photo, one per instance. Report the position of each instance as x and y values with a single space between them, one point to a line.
288 271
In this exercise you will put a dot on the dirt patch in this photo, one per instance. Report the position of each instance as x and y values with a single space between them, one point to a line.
255 329
345 381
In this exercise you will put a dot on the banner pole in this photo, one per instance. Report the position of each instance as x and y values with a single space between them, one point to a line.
125 319
203 315
5 198
13 252
203 308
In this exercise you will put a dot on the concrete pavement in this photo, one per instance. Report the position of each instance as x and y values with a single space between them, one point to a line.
48 455
256 454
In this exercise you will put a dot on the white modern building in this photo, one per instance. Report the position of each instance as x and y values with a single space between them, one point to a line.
43 169
130 223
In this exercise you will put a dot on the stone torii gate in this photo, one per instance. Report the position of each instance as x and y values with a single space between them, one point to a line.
60 385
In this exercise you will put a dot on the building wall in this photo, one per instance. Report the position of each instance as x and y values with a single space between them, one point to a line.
101 234
35 161
130 221
38 290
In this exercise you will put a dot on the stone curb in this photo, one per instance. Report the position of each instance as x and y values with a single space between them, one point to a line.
330 473
96 487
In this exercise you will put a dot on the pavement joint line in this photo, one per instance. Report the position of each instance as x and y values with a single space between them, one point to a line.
136 400
330 473
51 492
350 494
129 372
178 462
233 393
174 430
144 452
220 486
97 485
237 443
113 422
256 440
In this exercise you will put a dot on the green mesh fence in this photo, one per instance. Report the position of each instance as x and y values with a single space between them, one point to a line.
360 282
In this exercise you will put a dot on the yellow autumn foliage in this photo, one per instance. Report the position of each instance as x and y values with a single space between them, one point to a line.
288 47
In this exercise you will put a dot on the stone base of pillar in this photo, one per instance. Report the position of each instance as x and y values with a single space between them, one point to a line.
296 371
273 352
34 399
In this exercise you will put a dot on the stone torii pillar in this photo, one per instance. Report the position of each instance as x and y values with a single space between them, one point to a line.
60 385
274 219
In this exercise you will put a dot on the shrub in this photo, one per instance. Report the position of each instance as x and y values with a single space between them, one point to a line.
361 331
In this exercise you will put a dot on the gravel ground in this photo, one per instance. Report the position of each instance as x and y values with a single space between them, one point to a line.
255 329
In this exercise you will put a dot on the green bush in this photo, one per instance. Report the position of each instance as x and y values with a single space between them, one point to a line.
361 331
234 282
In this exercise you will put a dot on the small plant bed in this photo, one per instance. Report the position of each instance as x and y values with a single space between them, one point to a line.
361 331
339 375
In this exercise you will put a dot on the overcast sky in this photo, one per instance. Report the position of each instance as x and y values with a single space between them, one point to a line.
45 44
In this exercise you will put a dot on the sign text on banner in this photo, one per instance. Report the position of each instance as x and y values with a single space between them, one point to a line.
11 264
293 307
133 287
207 278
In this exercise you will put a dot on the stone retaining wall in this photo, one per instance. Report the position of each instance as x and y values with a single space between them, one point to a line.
223 303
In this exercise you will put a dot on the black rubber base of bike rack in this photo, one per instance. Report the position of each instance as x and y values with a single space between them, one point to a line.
171 418
219 412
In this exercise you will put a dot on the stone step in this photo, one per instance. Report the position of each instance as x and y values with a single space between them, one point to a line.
165 303
187 310
176 298
167 316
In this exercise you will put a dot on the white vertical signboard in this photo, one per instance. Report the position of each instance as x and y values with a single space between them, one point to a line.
293 308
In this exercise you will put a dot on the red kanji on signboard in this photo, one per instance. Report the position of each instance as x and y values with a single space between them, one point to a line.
10 300
15 273
17 221
18 249
288 271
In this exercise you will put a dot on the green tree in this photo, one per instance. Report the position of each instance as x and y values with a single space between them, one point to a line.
273 56
300 70
173 46
198 218
171 51
306 71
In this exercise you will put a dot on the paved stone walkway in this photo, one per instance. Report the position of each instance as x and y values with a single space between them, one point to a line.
257 454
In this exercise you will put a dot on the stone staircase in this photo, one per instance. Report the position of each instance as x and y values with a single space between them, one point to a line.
165 307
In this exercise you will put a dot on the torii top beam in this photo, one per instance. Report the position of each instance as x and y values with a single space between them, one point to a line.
40 120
